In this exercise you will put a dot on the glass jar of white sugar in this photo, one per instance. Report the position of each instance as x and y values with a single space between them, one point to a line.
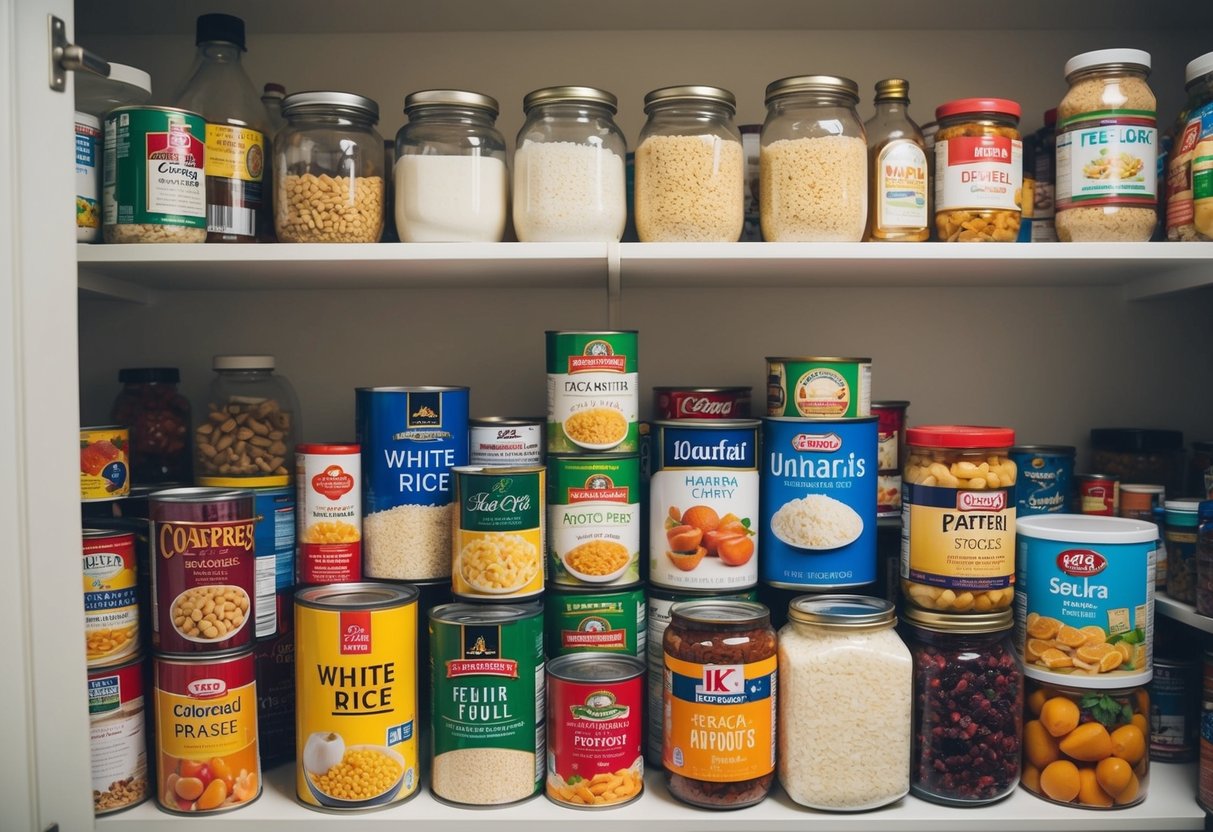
814 169
450 173
569 162
690 167
845 690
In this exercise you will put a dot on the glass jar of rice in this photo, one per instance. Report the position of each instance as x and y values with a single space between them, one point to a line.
1107 148
845 690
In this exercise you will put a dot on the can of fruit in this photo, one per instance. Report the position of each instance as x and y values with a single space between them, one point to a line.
105 463
1098 494
594 620
117 737
111 597
594 530
1175 694
701 402
329 485
593 392
498 542
815 387
498 441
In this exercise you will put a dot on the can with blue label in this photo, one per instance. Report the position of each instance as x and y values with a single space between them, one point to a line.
818 497
1045 473
274 547
411 438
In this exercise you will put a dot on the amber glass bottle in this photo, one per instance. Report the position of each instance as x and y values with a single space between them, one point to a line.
897 169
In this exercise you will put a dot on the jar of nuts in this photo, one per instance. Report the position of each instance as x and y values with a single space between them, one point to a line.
958 517
159 419
251 424
978 171
329 170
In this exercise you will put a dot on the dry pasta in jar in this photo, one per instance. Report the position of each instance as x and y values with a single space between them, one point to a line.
978 171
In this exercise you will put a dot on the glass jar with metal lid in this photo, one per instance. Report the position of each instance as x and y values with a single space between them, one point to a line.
569 168
690 167
814 161
845 687
978 142
450 176
328 170
968 706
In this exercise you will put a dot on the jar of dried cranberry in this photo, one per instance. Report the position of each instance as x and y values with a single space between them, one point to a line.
968 706
718 730
158 417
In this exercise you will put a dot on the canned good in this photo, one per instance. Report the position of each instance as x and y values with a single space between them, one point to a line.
433 594
1098 494
1044 473
105 465
203 593
411 438
1202 461
274 546
487 679
497 440
1143 501
812 387
591 620
890 450
329 528
701 402
818 503
593 392
1180 534
275 662
1175 694
111 597
498 546
1204 788
703 500
206 733
88 182
594 725
593 530
117 738
356 695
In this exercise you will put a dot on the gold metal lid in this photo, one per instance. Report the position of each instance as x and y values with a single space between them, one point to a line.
893 89
690 93
842 611
570 95
827 84
450 98
942 622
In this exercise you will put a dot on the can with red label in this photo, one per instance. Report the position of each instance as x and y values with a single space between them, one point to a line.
111 597
203 574
329 513
117 737
1098 494
890 452
595 719
701 402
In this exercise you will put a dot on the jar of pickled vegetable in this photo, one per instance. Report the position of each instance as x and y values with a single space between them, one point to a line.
978 171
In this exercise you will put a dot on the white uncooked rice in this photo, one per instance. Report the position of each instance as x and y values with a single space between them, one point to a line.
816 521
568 192
408 543
484 776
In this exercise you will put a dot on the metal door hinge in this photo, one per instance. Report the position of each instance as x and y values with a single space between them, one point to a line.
68 57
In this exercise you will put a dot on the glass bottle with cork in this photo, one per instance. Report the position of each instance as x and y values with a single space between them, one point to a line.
897 204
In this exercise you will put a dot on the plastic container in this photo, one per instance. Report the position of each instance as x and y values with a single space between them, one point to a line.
1140 455
1180 533
159 420
978 141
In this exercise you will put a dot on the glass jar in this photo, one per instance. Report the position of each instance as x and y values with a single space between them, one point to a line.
1044 205
1180 532
845 690
1194 128
1140 455
958 515
897 198
450 174
814 161
159 418
709 760
968 707
690 168
569 168
247 437
992 213
1088 748
328 170
1107 149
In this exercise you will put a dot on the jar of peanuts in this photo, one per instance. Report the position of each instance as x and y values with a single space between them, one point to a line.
329 170
978 171
159 419
958 518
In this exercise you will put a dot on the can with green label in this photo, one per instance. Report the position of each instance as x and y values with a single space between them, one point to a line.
593 392
593 533
813 387
498 541
591 620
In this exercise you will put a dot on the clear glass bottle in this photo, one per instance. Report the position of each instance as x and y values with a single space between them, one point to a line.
237 130
159 419
271 96
451 180
897 198
329 170
569 168
690 167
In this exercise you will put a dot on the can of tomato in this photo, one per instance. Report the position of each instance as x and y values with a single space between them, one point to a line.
1098 494
701 402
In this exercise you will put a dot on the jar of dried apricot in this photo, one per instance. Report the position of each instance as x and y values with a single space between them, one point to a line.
958 518
978 171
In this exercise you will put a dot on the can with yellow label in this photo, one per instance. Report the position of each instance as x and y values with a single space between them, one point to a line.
105 463
498 544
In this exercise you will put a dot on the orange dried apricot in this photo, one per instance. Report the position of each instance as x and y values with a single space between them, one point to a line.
1059 716
1113 775
1128 743
1060 781
1130 792
1039 746
1088 742
1089 791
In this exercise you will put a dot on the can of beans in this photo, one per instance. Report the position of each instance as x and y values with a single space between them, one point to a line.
499 440
328 482
111 597
356 689
203 590
594 726
1045 472
498 544
593 532
701 402
207 758
890 453
593 620
274 546
117 737
815 387
275 660
1098 494
1175 694
593 392
105 463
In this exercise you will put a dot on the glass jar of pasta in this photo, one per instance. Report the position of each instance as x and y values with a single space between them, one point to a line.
958 518
978 171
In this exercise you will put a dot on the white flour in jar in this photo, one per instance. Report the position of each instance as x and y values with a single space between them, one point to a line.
450 199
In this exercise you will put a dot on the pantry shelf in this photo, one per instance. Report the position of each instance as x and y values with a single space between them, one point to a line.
1182 612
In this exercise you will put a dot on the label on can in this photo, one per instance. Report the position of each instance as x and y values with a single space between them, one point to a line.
1174 710
154 171
275 660
702 403
500 442
235 166
111 597
498 542
593 392
1043 481
890 448
594 520
274 545
596 622
1099 496
328 480
88 183
117 737
105 463
819 388
703 527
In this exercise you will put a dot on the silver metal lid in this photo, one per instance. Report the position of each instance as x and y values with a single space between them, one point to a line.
362 595
716 612
485 613
200 494
859 611
450 98
690 93
570 95
346 103
797 84
941 622
595 667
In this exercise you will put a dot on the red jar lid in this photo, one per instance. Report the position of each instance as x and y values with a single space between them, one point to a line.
960 436
1002 106
327 448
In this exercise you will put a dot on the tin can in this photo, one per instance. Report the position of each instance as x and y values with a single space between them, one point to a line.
813 387
356 695
593 620
411 438
1175 694
1204 788
1144 501
487 678
593 392
1180 534
274 546
275 663
117 737
1098 494
703 501
111 597
329 491
1045 472
595 722
818 499
105 463
203 592
433 594
498 544
498 440
88 180
890 453
207 757
154 176
701 402
593 531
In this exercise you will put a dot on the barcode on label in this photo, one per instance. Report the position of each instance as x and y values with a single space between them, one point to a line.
229 219
265 620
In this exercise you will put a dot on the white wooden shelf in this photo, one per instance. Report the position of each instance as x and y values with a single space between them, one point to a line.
1182 612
